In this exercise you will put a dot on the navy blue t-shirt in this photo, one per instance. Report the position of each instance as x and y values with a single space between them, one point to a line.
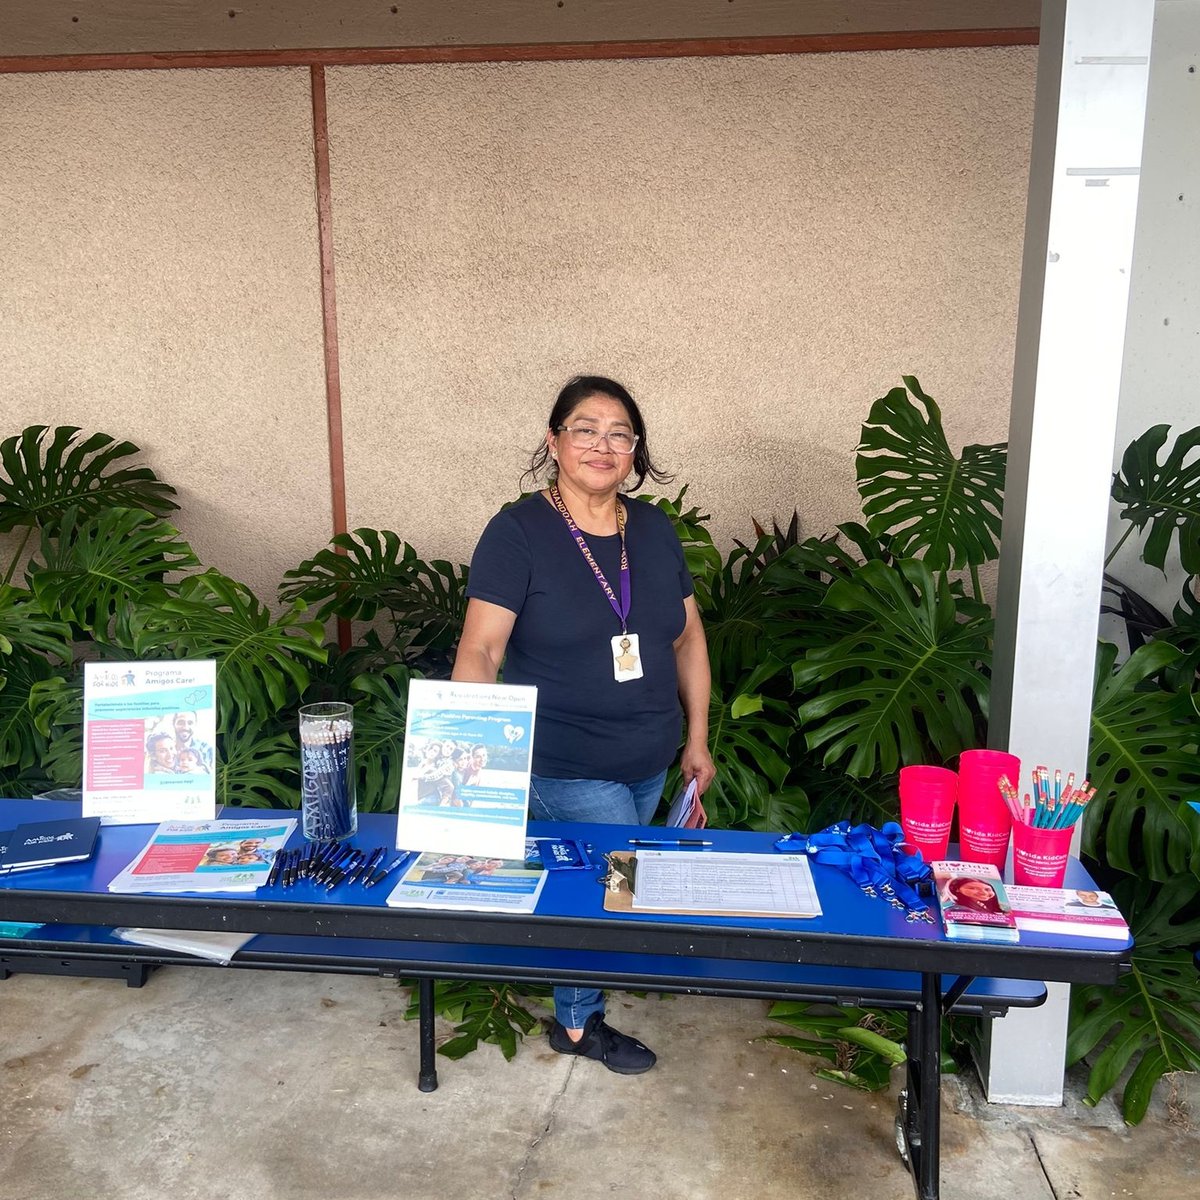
589 726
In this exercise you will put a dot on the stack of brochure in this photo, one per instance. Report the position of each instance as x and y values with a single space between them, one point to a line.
471 882
973 901
205 856
1067 911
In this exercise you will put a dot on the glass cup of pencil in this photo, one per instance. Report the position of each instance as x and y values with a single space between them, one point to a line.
327 801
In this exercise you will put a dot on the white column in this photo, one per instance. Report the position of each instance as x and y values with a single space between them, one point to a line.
1089 117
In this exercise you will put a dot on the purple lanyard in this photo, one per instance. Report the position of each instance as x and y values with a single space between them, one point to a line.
621 607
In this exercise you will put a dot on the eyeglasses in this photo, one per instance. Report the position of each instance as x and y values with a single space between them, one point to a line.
588 437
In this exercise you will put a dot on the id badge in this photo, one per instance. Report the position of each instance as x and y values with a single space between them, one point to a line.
627 657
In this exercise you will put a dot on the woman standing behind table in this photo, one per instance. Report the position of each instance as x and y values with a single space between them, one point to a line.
589 597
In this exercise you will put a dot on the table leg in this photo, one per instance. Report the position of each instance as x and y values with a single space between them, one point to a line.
918 1126
427 1080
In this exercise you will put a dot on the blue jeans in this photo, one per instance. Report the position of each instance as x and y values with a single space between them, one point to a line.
606 802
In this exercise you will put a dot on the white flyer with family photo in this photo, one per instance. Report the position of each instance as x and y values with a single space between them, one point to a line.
467 756
149 729
205 856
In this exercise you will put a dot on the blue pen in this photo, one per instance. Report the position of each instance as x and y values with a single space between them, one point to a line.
276 866
668 842
364 869
289 868
334 862
399 860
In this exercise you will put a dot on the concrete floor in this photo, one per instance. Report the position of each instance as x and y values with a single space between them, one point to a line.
253 1085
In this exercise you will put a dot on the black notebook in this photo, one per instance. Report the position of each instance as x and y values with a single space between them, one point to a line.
48 843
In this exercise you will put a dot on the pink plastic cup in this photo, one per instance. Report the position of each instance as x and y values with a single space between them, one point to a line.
1040 855
983 818
927 808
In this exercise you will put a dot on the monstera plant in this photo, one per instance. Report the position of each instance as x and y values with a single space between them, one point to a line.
837 658
907 677
108 577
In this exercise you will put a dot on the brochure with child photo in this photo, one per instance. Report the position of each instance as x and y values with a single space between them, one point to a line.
463 881
974 903
149 729
205 856
467 755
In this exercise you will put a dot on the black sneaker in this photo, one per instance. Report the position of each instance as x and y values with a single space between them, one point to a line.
617 1051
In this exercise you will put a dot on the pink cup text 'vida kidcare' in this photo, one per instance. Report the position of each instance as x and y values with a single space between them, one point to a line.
984 820
927 808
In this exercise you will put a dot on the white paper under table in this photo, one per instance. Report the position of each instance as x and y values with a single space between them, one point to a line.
708 881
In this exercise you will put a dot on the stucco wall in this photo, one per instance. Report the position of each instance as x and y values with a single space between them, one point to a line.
757 246
161 283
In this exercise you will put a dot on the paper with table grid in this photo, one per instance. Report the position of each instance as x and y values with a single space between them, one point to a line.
713 882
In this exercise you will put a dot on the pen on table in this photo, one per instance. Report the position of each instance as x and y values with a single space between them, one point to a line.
276 867
306 860
346 867
365 868
326 860
398 861
668 842
334 862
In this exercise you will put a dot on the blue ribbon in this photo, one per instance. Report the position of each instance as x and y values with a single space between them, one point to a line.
874 858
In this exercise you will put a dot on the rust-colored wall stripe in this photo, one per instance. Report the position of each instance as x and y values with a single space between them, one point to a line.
333 378
912 39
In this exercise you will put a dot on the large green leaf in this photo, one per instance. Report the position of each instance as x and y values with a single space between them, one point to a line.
702 558
57 708
482 1012
1143 764
915 489
1150 1019
354 578
21 744
260 657
1184 634
372 569
863 1045
380 717
23 624
47 473
898 688
839 797
257 767
748 739
21 785
761 609
91 567
1163 495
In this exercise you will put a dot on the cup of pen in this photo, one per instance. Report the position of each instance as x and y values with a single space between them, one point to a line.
327 800
984 819
1044 828
1040 855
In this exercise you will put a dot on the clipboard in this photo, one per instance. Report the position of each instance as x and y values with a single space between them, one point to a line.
619 899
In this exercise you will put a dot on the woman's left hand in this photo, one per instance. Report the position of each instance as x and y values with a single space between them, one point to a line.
696 763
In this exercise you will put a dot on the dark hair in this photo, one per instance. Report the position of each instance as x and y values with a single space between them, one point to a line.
572 395
155 738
